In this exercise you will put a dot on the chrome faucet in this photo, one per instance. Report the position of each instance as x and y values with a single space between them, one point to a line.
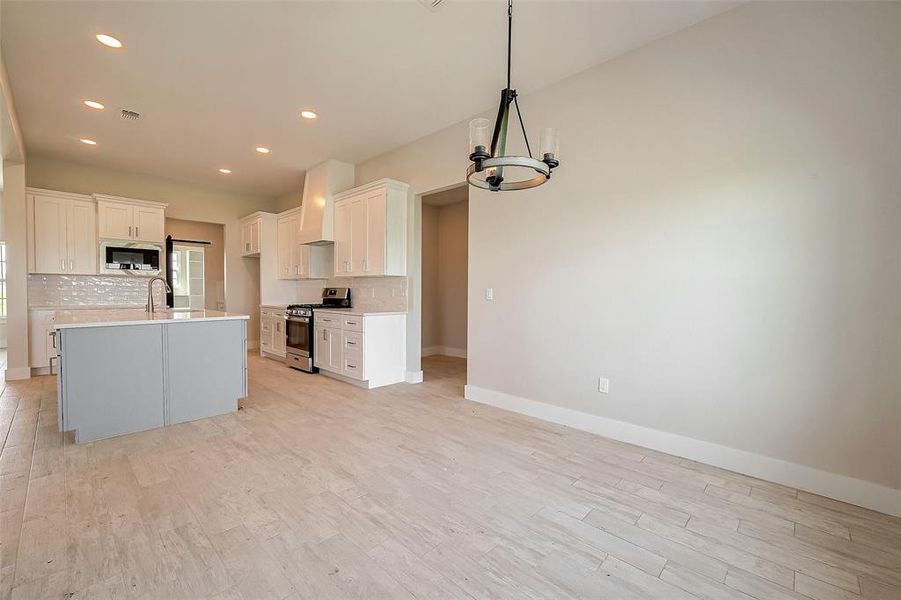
149 306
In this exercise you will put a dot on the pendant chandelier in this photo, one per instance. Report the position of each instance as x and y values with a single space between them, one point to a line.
491 168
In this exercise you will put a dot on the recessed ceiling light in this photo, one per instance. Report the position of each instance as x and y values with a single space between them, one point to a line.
93 104
108 40
308 114
262 150
225 171
88 142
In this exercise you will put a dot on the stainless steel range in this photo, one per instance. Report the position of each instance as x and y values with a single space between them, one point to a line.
299 328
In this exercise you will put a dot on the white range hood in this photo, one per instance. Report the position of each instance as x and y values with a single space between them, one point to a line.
322 182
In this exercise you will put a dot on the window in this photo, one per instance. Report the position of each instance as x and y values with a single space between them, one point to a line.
2 279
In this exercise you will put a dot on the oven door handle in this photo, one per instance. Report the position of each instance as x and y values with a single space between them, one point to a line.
298 319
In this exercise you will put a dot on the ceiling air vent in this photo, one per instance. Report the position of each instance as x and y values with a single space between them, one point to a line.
130 115
432 5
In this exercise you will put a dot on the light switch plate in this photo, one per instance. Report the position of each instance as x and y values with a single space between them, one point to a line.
603 385
489 293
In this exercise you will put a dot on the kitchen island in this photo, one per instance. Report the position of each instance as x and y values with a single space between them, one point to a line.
122 371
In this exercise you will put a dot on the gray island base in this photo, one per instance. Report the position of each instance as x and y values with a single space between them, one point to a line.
126 370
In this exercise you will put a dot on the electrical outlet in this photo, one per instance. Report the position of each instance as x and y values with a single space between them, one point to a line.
603 385
489 293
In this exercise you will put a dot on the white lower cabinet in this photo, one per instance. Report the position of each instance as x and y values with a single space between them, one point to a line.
369 348
272 331
40 343
327 349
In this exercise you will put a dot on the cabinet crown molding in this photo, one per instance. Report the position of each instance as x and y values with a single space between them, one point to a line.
290 212
131 201
374 185
256 215
55 193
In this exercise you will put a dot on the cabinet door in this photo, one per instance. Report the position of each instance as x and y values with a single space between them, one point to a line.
150 224
286 242
335 355
359 235
50 235
342 237
265 332
321 348
245 239
302 260
116 220
278 334
255 236
81 237
40 348
376 241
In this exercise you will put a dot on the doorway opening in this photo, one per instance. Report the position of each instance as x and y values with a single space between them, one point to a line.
445 280
196 264
187 277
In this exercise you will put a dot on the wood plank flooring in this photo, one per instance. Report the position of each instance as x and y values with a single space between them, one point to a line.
320 490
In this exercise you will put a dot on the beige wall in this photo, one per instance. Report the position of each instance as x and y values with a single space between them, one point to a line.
288 201
12 164
431 305
186 201
213 254
720 241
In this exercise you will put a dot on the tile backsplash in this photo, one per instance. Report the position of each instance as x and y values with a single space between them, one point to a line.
366 293
90 290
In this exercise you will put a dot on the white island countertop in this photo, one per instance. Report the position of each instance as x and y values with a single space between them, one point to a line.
359 313
105 318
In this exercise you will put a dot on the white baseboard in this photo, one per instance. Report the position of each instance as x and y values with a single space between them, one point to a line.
413 376
840 487
14 373
444 351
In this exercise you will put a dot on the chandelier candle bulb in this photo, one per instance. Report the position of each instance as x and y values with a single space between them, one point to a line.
549 146
479 138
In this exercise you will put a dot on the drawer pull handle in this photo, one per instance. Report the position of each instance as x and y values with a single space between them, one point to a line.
350 322
351 343
350 366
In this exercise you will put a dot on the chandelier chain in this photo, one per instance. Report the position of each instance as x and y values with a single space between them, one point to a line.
509 38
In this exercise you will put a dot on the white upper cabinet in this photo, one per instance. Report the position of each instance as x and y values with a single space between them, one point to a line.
250 234
62 233
49 234
342 238
150 224
371 230
125 219
288 226
296 260
116 220
81 237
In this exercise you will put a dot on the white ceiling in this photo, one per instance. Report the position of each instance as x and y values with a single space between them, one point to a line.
213 80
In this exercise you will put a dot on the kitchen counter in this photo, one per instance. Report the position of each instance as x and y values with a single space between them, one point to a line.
359 313
66 319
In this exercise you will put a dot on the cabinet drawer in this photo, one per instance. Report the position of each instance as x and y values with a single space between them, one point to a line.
353 364
327 320
351 323
352 340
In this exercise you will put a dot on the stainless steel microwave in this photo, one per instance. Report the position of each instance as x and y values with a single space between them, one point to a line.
130 258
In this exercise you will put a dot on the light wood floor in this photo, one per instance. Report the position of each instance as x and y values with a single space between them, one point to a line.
319 490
